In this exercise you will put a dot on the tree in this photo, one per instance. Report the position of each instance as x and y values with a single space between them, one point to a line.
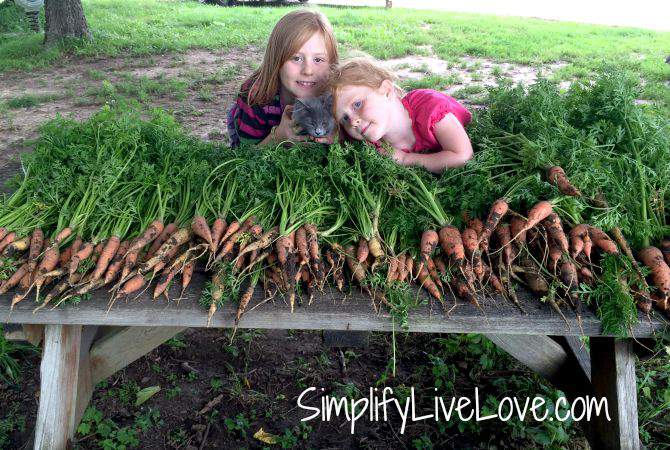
64 19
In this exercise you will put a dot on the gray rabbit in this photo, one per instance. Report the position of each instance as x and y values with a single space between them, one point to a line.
314 116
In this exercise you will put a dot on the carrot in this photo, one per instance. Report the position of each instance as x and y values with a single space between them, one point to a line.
586 276
602 240
132 285
355 265
262 242
108 252
497 212
76 245
577 239
201 229
117 262
375 247
14 279
392 272
8 239
472 252
284 247
409 267
85 252
164 282
61 236
557 177
428 284
218 228
537 213
49 261
588 245
36 243
555 231
441 266
452 244
56 291
129 263
178 238
313 241
504 236
3 233
168 231
363 250
477 225
152 232
186 276
432 270
17 246
232 229
652 257
568 273
516 224
244 301
301 243
401 270
463 291
429 240
554 256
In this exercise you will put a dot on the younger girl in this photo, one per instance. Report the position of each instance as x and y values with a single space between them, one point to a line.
424 127
297 62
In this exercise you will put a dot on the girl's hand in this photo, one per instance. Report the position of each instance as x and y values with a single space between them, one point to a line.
328 140
286 131
400 157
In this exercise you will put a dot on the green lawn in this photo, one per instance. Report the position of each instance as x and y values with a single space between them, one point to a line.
152 26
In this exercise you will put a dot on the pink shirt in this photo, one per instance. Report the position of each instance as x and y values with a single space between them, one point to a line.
426 107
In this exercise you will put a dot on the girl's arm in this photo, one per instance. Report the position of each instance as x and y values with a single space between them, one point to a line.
456 148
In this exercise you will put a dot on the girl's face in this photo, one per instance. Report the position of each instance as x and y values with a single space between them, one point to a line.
304 74
363 111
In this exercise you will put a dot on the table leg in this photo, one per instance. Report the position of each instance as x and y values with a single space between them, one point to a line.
613 377
59 375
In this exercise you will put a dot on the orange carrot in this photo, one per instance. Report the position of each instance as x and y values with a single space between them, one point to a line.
201 229
244 301
218 228
8 239
432 270
463 291
14 279
452 244
392 273
477 225
568 273
151 233
652 257
497 212
301 243
61 236
106 255
168 231
132 285
554 256
505 238
313 240
537 213
427 283
186 276
429 240
602 240
3 233
401 270
588 245
356 266
555 231
36 243
363 250
65 255
516 224
474 255
85 252
232 229
409 267
49 260
284 247
577 235
163 282
557 177
17 246
117 262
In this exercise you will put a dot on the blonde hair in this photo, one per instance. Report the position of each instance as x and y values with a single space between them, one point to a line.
361 72
288 35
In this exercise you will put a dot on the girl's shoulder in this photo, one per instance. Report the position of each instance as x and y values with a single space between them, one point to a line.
430 106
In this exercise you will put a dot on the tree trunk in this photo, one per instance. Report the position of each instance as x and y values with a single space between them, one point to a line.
64 19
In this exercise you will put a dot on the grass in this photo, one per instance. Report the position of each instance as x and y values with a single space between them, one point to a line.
432 82
153 26
29 100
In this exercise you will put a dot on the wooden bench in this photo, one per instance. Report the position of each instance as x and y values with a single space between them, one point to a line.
84 344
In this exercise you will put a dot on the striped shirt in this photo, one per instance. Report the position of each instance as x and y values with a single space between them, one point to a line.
251 124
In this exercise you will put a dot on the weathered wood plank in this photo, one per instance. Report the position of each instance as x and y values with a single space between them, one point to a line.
85 384
59 374
329 311
33 333
116 350
539 353
613 377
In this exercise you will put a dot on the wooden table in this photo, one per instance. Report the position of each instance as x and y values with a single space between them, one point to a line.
84 344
